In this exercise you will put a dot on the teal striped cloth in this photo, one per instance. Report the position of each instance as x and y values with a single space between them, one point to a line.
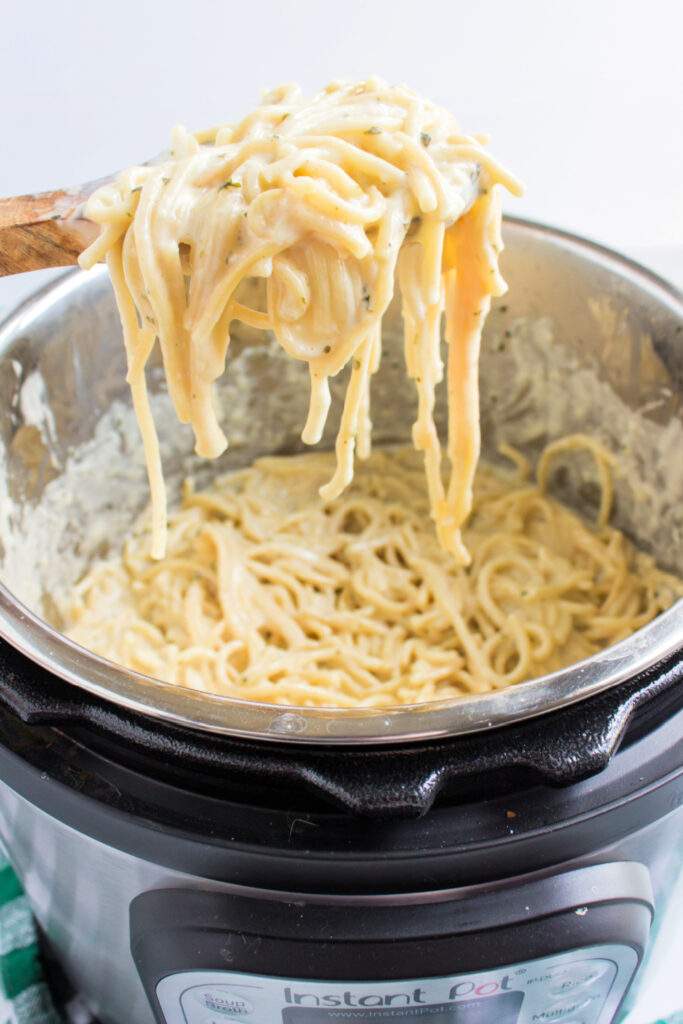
27 999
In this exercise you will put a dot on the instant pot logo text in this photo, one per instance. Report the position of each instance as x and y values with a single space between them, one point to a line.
409 997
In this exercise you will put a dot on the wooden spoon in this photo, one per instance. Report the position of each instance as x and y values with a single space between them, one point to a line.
45 230
50 229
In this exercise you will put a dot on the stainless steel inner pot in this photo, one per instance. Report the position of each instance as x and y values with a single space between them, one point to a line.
585 340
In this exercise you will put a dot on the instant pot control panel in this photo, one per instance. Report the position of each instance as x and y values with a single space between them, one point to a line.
564 948
575 988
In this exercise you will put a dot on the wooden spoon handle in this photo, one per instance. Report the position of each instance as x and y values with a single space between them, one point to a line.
45 230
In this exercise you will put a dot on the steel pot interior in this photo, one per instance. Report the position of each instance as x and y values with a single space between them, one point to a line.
585 340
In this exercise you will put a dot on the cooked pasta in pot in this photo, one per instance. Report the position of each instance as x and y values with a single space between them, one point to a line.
270 593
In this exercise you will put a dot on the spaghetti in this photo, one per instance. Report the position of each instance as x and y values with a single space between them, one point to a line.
291 582
329 201
270 593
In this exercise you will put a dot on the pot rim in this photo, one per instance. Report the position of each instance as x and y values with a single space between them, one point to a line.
45 646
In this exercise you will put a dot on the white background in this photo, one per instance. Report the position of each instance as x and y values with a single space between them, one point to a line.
583 98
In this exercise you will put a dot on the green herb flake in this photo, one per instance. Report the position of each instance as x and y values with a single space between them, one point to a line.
474 173
374 130
165 181
356 364
327 349
425 138
230 184
138 188
366 297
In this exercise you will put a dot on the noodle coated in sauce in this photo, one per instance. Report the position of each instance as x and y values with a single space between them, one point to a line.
271 594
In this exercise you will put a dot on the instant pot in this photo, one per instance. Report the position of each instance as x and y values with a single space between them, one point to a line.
193 859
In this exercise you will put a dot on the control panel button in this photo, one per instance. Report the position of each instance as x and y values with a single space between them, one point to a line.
562 1010
573 977
223 1004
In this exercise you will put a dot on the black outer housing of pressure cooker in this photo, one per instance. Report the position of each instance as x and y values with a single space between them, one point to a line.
161 791
534 800
176 930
